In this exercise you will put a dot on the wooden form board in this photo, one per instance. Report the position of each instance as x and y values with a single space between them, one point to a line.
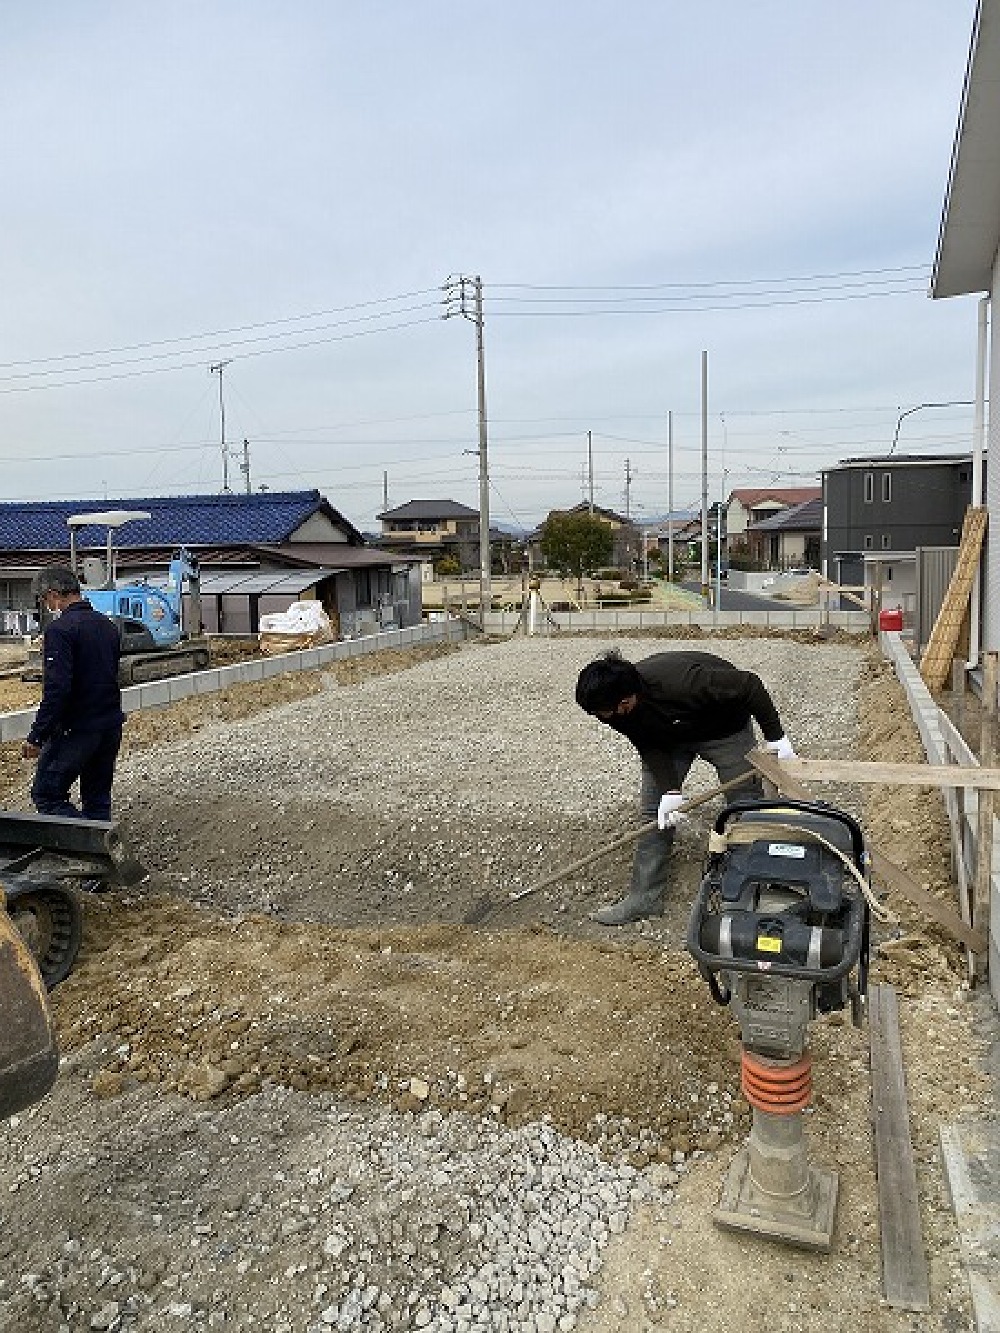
904 1265
935 665
889 775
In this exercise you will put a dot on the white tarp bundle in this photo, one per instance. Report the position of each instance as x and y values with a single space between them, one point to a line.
303 625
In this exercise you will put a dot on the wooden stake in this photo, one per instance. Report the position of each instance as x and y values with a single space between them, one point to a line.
958 693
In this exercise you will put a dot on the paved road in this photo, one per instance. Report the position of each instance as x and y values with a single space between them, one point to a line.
732 600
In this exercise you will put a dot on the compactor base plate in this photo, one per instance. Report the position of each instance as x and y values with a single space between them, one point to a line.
806 1219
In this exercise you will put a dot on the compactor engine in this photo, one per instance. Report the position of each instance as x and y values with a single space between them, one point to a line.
780 931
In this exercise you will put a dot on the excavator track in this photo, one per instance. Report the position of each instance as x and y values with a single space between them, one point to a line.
140 668
50 921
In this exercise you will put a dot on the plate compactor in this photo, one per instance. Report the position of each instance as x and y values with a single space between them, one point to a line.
780 930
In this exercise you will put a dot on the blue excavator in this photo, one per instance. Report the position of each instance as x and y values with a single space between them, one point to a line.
160 627
157 639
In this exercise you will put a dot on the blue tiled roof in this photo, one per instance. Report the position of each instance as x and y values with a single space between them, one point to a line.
180 520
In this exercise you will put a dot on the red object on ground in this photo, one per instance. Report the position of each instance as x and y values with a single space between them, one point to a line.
891 619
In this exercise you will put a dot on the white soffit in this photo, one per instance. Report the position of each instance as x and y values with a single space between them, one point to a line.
970 225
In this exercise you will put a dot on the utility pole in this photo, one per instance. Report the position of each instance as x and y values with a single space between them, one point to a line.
628 513
704 477
385 490
670 496
245 465
217 369
464 296
718 549
590 472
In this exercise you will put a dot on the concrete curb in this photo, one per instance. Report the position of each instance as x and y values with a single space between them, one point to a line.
972 1168
159 693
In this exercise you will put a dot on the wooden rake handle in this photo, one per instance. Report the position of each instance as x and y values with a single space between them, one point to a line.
627 838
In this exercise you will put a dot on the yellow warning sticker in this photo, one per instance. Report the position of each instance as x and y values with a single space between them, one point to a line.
768 944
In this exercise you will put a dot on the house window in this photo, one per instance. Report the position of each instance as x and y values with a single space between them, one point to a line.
869 487
886 541
869 543
886 487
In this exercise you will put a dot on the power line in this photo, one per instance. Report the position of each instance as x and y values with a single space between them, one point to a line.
732 282
778 287
701 309
190 365
222 333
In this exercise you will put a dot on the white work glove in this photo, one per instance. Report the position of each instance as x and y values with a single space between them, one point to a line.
781 748
666 815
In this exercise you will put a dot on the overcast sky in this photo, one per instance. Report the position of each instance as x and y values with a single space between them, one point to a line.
285 187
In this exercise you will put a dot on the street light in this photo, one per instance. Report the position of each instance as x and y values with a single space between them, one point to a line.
919 408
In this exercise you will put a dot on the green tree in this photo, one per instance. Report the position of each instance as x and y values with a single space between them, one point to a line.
576 543
447 565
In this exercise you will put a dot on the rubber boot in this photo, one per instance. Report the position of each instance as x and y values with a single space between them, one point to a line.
649 872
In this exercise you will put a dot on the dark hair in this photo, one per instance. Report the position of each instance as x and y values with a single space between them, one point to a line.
58 579
602 685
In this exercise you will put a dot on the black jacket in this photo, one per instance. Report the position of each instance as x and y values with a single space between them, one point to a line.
80 689
689 697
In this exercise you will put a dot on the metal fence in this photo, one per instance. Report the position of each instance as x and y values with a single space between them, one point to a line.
636 618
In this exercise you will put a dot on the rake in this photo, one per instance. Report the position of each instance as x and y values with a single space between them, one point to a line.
485 907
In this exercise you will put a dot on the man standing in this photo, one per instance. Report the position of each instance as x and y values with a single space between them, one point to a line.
676 707
77 730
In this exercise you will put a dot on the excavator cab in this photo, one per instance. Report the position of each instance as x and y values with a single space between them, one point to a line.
29 1057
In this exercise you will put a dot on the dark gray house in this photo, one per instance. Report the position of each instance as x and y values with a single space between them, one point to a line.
891 505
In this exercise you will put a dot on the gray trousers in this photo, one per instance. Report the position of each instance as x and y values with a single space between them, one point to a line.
652 851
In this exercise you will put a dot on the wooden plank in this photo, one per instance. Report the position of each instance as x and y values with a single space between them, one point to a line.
896 879
878 773
904 1266
935 664
890 874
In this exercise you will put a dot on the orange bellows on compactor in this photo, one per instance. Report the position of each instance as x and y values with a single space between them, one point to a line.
774 1086
780 929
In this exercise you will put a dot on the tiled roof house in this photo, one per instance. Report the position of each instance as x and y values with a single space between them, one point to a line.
243 544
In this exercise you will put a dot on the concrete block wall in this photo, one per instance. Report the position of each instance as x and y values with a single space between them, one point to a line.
579 622
943 745
159 693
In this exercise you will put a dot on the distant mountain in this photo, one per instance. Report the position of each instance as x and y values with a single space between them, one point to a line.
513 529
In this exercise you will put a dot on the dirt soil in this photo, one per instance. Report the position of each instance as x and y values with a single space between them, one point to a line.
611 1038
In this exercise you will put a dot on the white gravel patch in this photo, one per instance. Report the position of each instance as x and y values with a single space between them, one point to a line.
483 729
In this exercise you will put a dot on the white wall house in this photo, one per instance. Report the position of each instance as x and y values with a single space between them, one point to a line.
968 262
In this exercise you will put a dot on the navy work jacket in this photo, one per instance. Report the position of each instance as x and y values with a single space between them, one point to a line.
80 690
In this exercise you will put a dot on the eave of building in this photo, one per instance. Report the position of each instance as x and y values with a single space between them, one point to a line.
970 223
897 460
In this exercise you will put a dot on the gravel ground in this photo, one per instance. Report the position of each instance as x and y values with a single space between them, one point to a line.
299 1095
